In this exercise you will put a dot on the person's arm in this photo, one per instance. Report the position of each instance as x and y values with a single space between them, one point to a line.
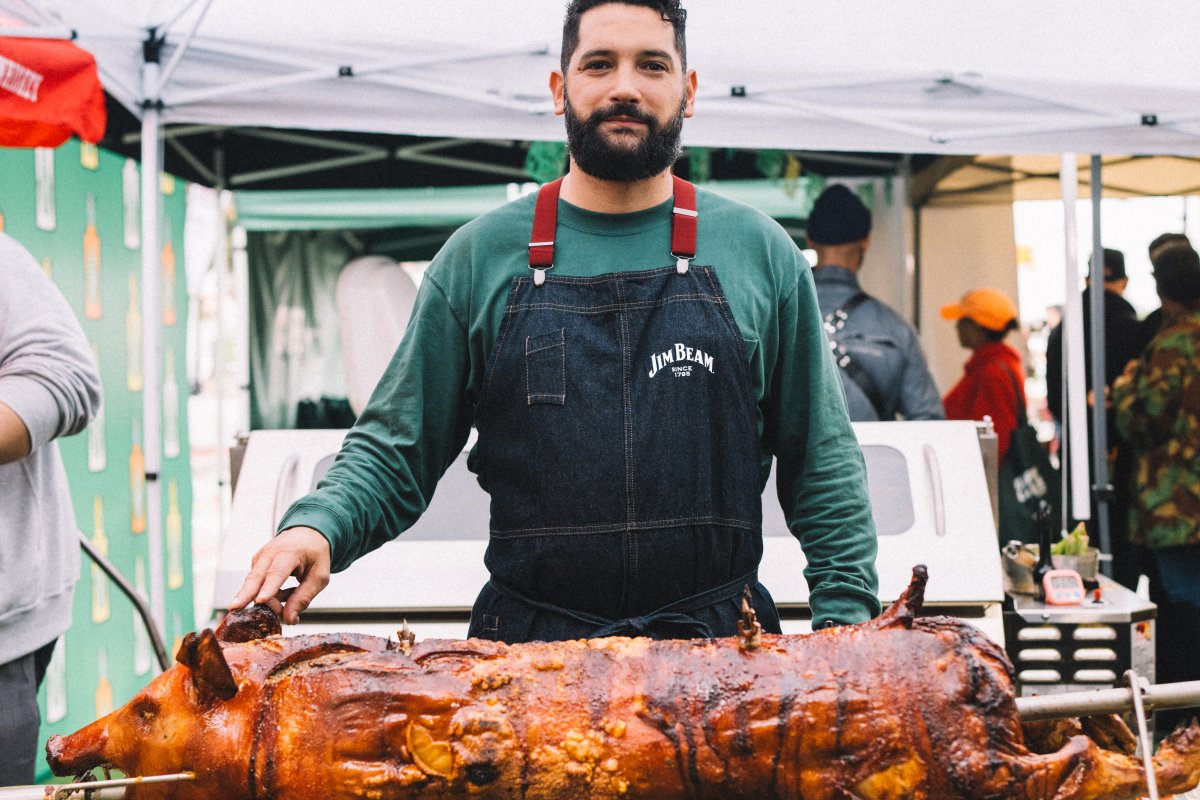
821 476
1146 398
1054 374
14 436
383 479
49 384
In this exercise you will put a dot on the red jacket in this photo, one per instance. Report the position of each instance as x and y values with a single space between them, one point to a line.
986 389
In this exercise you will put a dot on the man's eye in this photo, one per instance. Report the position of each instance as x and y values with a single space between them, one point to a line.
596 65
656 66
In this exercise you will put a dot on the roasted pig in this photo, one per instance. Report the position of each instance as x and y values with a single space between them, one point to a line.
900 707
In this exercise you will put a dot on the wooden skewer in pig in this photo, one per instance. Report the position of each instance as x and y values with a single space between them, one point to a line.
901 706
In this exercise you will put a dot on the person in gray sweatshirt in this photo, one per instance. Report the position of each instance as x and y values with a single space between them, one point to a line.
49 387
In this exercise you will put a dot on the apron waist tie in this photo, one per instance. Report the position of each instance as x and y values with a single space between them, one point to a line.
672 621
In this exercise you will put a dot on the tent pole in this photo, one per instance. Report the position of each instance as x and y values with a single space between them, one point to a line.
152 321
221 259
1074 457
1101 488
166 72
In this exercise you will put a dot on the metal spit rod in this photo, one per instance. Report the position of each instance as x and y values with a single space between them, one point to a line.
1185 694
91 790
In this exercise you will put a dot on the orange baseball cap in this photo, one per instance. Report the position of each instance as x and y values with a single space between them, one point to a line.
990 308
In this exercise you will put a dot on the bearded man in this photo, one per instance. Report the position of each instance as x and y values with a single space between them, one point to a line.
633 352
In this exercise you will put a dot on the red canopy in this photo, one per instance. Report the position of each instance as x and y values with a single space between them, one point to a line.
49 89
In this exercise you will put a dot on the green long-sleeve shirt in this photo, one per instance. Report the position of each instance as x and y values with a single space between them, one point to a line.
421 413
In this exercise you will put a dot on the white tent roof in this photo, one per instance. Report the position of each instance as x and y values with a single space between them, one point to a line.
936 76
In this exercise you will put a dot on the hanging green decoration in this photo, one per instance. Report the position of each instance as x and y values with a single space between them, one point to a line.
770 163
791 176
699 164
866 193
813 186
546 161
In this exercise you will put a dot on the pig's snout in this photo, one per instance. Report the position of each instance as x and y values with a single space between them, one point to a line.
79 752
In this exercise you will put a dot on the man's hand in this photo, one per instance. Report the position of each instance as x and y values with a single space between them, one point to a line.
1128 375
302 552
14 436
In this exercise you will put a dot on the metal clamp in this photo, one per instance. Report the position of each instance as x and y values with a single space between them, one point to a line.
1137 685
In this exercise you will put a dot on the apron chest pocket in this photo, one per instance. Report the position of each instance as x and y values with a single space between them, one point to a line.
546 368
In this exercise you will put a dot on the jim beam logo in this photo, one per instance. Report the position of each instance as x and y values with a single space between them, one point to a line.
20 80
1029 485
680 360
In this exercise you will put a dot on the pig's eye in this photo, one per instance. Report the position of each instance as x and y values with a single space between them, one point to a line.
146 710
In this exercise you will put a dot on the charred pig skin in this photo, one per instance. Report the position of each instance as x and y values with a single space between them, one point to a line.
899 707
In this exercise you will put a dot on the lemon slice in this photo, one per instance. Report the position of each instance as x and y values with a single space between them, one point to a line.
432 758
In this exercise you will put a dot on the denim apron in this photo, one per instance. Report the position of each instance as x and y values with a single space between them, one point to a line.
618 442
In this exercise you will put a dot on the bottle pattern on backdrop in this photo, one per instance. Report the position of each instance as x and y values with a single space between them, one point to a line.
170 406
56 682
101 608
137 481
131 202
97 448
133 337
104 689
168 275
46 216
174 535
89 156
92 307
141 639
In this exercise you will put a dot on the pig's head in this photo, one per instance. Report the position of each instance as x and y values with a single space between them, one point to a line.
200 715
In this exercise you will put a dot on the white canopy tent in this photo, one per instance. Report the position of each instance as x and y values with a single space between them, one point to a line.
933 76
930 76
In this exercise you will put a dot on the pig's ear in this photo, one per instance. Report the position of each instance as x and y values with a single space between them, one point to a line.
248 624
210 671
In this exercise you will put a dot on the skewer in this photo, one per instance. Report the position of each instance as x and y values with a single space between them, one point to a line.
92 790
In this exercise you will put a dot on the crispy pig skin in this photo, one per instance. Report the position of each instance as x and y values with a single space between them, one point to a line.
899 707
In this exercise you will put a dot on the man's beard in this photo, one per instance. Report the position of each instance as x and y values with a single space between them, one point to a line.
598 156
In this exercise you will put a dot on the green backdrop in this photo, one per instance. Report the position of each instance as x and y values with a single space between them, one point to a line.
76 209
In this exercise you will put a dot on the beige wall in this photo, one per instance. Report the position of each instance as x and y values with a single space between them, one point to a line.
886 273
962 248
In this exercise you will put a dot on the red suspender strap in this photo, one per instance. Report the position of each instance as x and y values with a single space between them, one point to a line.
545 220
683 220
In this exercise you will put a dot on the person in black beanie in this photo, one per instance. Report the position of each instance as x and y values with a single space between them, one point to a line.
1162 244
1121 343
882 366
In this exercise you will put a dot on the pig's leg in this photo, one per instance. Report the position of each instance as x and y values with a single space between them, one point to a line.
1177 762
1082 770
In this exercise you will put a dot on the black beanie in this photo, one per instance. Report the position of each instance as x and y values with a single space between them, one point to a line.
1177 275
838 217
1114 264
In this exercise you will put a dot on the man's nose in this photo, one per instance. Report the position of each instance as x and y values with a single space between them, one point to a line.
626 87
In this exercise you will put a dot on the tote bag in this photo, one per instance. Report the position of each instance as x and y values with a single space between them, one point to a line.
1026 478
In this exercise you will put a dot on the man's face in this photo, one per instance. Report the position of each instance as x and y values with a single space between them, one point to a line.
625 94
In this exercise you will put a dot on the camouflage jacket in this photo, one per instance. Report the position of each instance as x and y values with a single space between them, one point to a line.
1158 418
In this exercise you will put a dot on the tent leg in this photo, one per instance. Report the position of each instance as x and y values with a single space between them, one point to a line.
1101 488
1074 459
152 325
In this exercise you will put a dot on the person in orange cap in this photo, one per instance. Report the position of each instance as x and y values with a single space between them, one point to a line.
993 381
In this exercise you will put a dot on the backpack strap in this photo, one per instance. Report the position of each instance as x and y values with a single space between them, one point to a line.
834 322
